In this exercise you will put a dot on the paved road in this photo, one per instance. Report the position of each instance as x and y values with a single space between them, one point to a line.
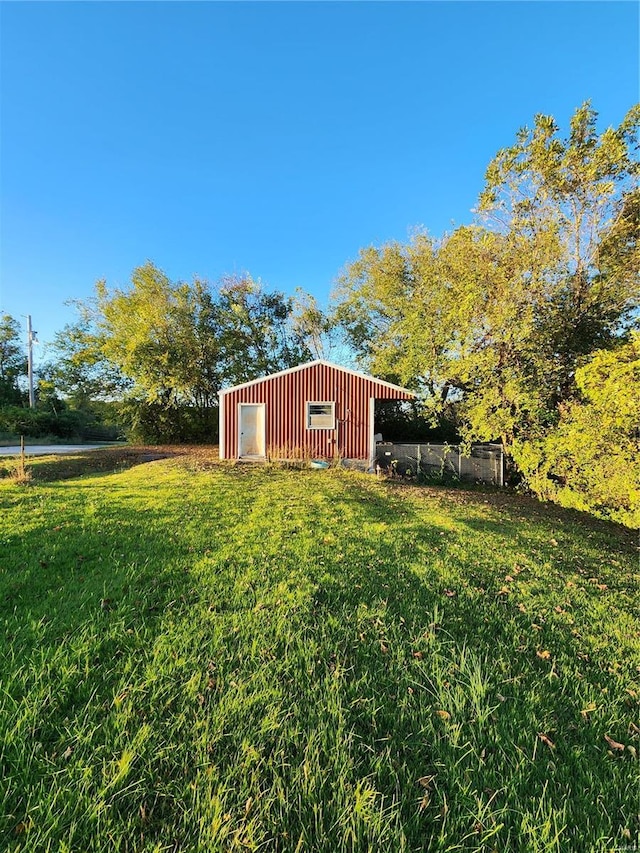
46 449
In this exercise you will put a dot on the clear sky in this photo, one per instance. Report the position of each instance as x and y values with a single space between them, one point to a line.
273 138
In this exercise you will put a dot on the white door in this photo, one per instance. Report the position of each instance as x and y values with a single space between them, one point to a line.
251 440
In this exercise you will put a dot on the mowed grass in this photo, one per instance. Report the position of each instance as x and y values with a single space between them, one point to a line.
201 657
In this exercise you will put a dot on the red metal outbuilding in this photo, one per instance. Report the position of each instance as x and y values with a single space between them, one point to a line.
316 410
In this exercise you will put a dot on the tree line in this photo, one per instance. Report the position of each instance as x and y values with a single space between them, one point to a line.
521 327
154 356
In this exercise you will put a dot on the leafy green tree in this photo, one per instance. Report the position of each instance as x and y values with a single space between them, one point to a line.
179 343
573 203
169 347
256 331
13 362
444 317
148 332
389 302
498 316
80 374
592 460
314 328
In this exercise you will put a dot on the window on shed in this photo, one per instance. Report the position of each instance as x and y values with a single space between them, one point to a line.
321 416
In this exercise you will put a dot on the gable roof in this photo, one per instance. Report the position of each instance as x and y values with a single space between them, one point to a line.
306 366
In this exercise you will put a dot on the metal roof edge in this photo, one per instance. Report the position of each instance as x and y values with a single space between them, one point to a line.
307 364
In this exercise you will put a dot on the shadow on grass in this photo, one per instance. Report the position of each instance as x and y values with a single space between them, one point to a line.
525 508
399 669
72 625
442 678
104 461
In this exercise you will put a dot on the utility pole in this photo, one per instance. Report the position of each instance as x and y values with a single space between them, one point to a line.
31 337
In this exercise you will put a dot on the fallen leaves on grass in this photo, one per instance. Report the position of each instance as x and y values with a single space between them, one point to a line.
425 782
543 654
588 710
618 747
23 826
546 740
444 715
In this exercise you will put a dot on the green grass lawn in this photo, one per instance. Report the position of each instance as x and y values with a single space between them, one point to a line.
201 657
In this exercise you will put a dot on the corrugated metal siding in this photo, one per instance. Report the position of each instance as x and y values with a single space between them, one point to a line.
286 397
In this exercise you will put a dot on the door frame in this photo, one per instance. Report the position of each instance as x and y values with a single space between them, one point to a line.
372 432
263 406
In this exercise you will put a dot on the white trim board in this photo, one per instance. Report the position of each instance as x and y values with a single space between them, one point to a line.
372 431
307 413
222 450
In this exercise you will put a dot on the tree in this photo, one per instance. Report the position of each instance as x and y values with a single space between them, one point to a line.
171 346
13 362
256 331
592 460
574 204
389 302
150 333
498 316
314 328
80 371
444 317
180 343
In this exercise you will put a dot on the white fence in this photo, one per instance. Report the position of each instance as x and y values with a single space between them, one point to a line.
484 465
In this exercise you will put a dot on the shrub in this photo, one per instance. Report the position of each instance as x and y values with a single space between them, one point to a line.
591 460
154 423
68 424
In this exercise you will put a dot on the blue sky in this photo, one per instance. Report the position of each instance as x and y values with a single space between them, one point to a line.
273 138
